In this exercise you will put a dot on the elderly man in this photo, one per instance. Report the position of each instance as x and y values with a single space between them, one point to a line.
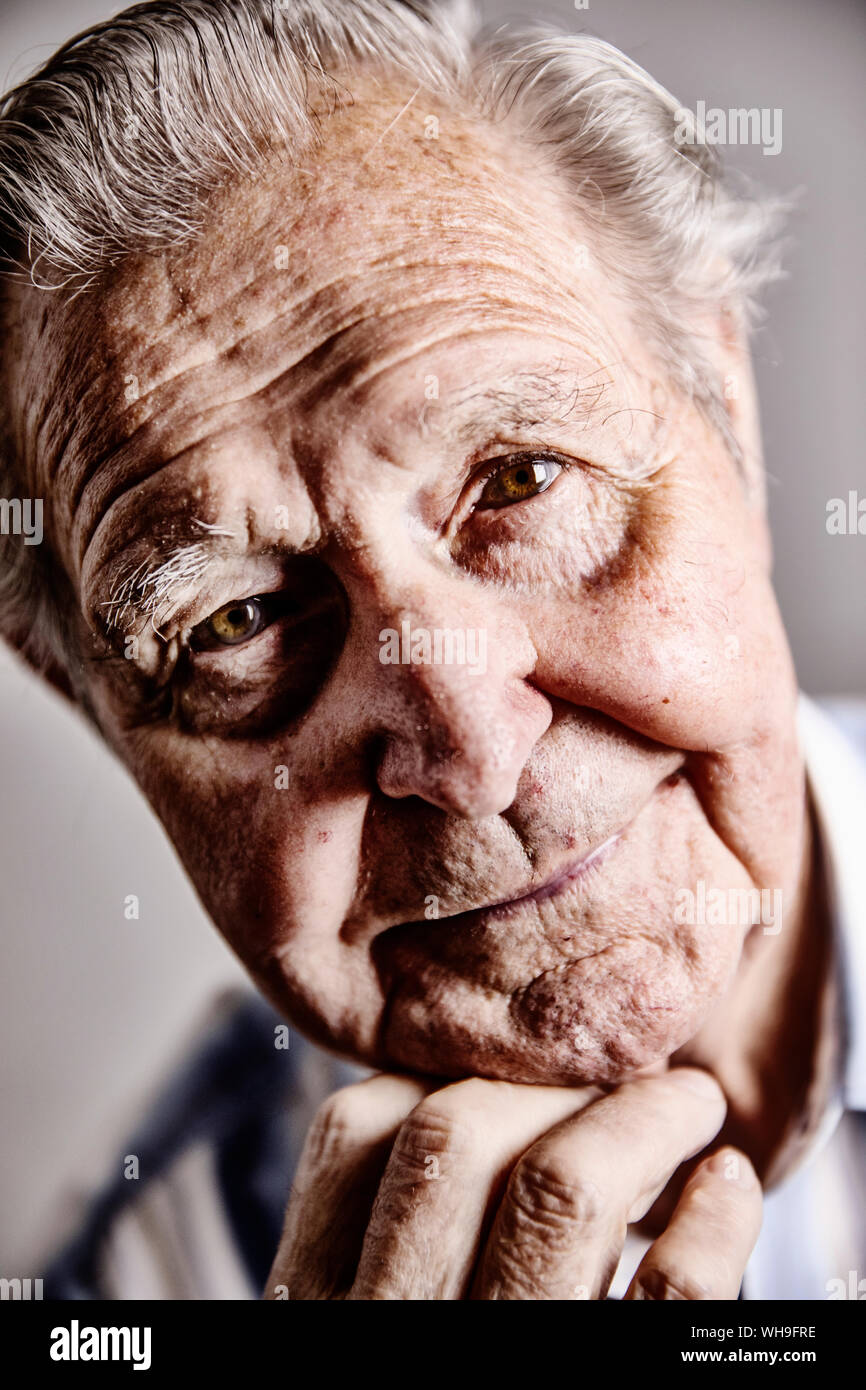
389 401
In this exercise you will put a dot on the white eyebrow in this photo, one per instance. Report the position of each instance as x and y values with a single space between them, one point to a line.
149 588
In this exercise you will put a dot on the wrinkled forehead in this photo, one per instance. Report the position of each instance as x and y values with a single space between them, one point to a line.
406 223
398 209
398 192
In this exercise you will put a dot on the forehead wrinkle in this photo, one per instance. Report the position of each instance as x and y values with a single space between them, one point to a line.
324 307
107 480
329 303
353 355
337 320
350 353
472 178
116 485
364 388
352 350
110 479
369 302
533 397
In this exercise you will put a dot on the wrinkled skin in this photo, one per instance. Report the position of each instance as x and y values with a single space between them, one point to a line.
638 697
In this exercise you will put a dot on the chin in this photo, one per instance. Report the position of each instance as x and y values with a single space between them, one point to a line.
595 1022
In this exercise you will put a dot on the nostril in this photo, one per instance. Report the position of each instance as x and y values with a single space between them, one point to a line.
448 778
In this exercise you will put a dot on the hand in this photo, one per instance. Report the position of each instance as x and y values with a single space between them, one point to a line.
489 1190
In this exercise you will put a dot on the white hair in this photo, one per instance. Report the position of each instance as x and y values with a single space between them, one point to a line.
117 144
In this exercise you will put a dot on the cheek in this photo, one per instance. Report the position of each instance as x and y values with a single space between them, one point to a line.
275 865
680 640
235 828
275 873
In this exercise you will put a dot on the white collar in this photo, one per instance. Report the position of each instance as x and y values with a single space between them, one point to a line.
836 774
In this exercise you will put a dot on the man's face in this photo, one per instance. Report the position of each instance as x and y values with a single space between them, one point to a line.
398 389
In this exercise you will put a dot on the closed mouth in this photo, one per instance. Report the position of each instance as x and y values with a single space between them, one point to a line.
562 879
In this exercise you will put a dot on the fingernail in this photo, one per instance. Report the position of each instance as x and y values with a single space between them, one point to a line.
701 1083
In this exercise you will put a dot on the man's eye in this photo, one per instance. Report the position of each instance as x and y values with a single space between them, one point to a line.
230 625
524 476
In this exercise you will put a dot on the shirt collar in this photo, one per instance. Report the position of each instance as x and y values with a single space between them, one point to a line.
836 772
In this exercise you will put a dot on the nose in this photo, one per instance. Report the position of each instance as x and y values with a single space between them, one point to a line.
457 717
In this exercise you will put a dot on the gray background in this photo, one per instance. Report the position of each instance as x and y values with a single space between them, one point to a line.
94 1008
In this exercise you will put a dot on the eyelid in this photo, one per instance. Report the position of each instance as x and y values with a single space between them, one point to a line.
489 467
279 605
193 601
253 577
272 611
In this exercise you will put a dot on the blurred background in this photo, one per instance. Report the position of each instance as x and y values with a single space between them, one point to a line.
95 1008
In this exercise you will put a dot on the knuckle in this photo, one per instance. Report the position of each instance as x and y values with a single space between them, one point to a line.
517 1281
338 1123
434 1129
545 1192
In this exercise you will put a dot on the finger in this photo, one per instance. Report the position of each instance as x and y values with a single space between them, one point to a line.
449 1164
561 1227
338 1172
704 1249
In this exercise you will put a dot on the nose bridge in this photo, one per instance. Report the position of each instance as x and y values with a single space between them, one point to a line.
444 640
436 633
444 679
399 596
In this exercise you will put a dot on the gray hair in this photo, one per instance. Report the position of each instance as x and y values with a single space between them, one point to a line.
117 144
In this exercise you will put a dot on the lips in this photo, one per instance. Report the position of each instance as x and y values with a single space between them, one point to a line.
565 877
561 880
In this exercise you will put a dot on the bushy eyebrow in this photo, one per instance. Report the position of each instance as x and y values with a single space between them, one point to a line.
521 399
146 589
